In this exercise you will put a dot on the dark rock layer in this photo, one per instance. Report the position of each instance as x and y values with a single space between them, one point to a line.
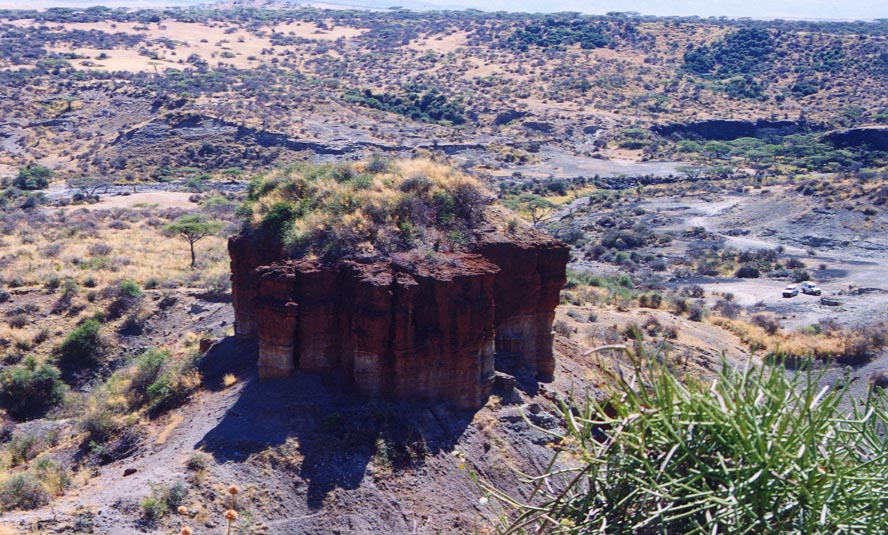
728 129
873 137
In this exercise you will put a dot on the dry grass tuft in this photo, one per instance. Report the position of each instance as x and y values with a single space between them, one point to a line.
99 247
848 345
371 208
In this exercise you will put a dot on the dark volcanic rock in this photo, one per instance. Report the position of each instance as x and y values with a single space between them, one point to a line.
507 117
874 137
880 380
728 129
539 126
215 143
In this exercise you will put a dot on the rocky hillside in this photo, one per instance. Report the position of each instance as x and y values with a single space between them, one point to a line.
157 94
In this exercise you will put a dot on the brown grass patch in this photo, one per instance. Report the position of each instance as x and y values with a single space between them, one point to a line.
440 43
842 344
171 426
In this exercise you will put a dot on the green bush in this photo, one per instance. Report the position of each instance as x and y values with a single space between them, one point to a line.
22 448
653 300
276 221
129 288
54 477
197 462
153 509
742 52
149 367
748 272
555 31
173 495
800 275
161 382
430 106
754 451
125 295
32 177
83 346
99 425
29 389
161 501
746 87
22 491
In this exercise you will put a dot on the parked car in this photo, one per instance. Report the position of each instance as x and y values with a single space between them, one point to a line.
791 291
810 288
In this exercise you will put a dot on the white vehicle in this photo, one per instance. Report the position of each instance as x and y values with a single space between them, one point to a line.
810 288
791 291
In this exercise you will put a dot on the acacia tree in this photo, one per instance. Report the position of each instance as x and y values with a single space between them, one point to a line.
717 150
692 172
89 186
192 228
539 208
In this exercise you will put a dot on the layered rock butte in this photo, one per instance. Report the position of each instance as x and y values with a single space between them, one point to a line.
415 327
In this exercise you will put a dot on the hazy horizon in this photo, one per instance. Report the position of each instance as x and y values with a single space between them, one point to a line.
762 9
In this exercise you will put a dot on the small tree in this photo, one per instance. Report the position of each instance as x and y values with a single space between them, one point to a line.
33 177
192 228
89 186
30 389
539 208
692 172
717 150
83 346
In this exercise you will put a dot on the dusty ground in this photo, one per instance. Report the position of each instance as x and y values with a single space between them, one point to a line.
845 251
852 251
212 43
169 199
306 461
556 163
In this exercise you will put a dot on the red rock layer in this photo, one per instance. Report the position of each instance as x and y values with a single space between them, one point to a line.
248 253
395 333
412 328
527 290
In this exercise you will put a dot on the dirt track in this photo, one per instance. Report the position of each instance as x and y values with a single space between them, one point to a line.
853 258
850 265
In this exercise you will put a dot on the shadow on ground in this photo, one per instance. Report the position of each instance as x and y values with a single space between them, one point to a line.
337 434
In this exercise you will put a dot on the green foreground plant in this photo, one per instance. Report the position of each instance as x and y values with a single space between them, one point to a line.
756 451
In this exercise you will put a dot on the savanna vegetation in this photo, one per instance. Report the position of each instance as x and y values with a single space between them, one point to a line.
452 75
89 291
82 287
368 209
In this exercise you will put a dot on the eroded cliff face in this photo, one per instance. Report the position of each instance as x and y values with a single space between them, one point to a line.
246 255
526 290
412 327
875 137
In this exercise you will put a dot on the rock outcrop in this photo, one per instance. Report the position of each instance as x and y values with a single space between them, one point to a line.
728 129
526 291
874 137
413 327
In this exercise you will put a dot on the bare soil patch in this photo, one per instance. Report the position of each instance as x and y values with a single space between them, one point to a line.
440 43
850 255
165 199
213 43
